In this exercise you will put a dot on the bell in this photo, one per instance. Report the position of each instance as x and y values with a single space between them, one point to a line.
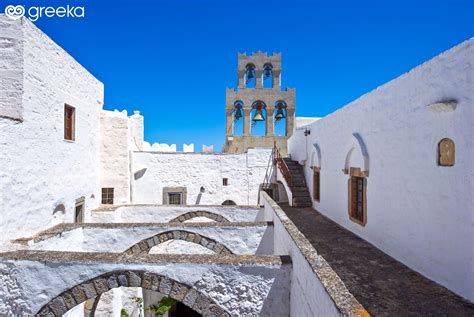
258 116
268 72
238 114
250 73
280 114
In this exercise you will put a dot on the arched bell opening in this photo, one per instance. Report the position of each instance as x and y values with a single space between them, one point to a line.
259 118
250 79
238 118
267 76
280 115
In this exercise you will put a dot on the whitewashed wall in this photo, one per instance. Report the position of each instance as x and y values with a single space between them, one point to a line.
418 212
39 170
114 155
245 172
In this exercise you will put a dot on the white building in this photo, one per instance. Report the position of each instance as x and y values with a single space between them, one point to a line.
394 167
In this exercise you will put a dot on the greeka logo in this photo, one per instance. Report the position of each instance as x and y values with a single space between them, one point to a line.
14 12
34 13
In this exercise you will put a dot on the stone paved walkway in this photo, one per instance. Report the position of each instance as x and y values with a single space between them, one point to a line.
384 286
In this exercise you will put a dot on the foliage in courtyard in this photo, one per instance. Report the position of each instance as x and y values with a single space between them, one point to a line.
165 304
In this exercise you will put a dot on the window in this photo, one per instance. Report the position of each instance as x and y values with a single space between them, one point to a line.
316 183
225 181
79 210
107 196
177 195
357 199
446 152
69 124
175 199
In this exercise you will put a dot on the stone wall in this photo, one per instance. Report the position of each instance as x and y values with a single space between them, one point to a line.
316 290
42 174
245 172
115 150
210 284
238 238
159 213
418 212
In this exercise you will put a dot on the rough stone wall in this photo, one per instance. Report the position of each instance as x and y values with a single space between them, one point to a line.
417 211
245 172
40 170
11 69
115 154
237 239
225 282
154 213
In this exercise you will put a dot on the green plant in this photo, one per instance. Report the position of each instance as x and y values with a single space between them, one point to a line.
165 304
124 313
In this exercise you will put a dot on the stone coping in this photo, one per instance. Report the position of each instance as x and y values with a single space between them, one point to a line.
109 208
65 227
335 287
95 257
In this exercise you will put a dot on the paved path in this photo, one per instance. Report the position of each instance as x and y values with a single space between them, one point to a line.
384 286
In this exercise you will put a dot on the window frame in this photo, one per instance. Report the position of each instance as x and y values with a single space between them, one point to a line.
172 190
69 120
440 156
317 189
357 178
109 196
225 181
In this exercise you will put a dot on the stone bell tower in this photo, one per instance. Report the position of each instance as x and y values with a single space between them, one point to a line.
259 100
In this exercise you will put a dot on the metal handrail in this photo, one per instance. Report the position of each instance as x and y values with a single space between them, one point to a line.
280 162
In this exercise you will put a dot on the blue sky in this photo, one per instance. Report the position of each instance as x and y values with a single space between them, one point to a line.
172 60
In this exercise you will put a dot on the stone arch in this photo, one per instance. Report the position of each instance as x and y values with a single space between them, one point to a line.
250 75
363 152
228 202
205 214
316 156
267 80
257 129
98 285
145 245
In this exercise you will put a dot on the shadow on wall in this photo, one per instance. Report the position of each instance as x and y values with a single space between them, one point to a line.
59 214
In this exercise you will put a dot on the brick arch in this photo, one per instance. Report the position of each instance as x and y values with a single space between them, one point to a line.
132 278
194 214
145 245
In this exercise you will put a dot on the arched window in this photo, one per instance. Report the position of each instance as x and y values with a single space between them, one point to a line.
229 202
239 118
280 118
250 76
259 118
267 76
446 152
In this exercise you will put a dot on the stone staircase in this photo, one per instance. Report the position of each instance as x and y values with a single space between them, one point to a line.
301 195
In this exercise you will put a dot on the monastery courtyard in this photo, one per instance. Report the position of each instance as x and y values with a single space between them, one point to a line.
364 212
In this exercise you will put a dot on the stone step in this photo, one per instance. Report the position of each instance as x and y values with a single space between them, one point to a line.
302 199
299 188
301 194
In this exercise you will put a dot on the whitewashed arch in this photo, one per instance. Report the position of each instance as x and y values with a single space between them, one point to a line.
357 143
316 156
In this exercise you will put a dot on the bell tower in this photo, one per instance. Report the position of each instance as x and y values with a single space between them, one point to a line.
260 104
